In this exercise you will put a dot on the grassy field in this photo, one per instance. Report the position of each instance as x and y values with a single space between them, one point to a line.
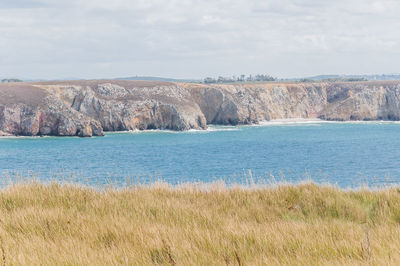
188 225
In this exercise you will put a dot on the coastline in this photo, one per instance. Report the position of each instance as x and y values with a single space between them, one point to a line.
217 127
82 107
291 121
265 123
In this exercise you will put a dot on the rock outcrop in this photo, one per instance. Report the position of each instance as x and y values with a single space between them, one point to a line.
88 108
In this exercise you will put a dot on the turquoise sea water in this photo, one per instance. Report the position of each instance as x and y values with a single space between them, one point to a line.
346 154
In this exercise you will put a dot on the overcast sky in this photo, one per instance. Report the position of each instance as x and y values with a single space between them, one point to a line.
197 38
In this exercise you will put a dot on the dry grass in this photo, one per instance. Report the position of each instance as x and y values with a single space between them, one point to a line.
294 225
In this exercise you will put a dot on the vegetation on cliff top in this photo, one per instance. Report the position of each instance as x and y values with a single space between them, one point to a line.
188 225
241 78
10 80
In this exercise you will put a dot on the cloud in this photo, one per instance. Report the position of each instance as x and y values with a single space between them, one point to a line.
196 38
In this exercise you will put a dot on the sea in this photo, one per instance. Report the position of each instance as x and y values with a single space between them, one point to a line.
343 154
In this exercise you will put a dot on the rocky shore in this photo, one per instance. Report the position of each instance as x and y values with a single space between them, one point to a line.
91 107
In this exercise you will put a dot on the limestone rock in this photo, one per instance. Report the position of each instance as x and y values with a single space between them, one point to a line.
88 108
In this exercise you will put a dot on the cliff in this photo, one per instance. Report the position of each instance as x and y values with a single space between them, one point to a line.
87 108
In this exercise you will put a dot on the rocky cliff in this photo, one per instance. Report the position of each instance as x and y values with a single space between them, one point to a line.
87 108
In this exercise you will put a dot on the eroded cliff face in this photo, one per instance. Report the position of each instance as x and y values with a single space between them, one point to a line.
364 101
248 104
87 108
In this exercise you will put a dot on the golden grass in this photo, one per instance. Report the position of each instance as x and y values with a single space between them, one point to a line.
294 225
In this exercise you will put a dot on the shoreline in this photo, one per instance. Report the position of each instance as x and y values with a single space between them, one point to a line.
291 121
216 127
148 105
266 123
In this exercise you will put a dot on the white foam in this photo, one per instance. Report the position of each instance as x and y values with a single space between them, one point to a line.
291 121
274 122
210 128
137 131
302 121
23 137
213 128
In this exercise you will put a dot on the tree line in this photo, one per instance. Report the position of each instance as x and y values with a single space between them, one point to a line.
241 78
10 80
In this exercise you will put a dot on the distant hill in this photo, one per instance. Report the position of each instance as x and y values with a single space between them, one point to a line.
326 78
313 78
158 79
354 77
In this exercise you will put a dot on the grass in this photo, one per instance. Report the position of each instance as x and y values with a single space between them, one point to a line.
197 225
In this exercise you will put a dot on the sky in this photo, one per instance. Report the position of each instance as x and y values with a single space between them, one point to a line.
50 39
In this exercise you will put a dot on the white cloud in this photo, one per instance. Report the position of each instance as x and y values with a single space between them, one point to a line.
196 38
